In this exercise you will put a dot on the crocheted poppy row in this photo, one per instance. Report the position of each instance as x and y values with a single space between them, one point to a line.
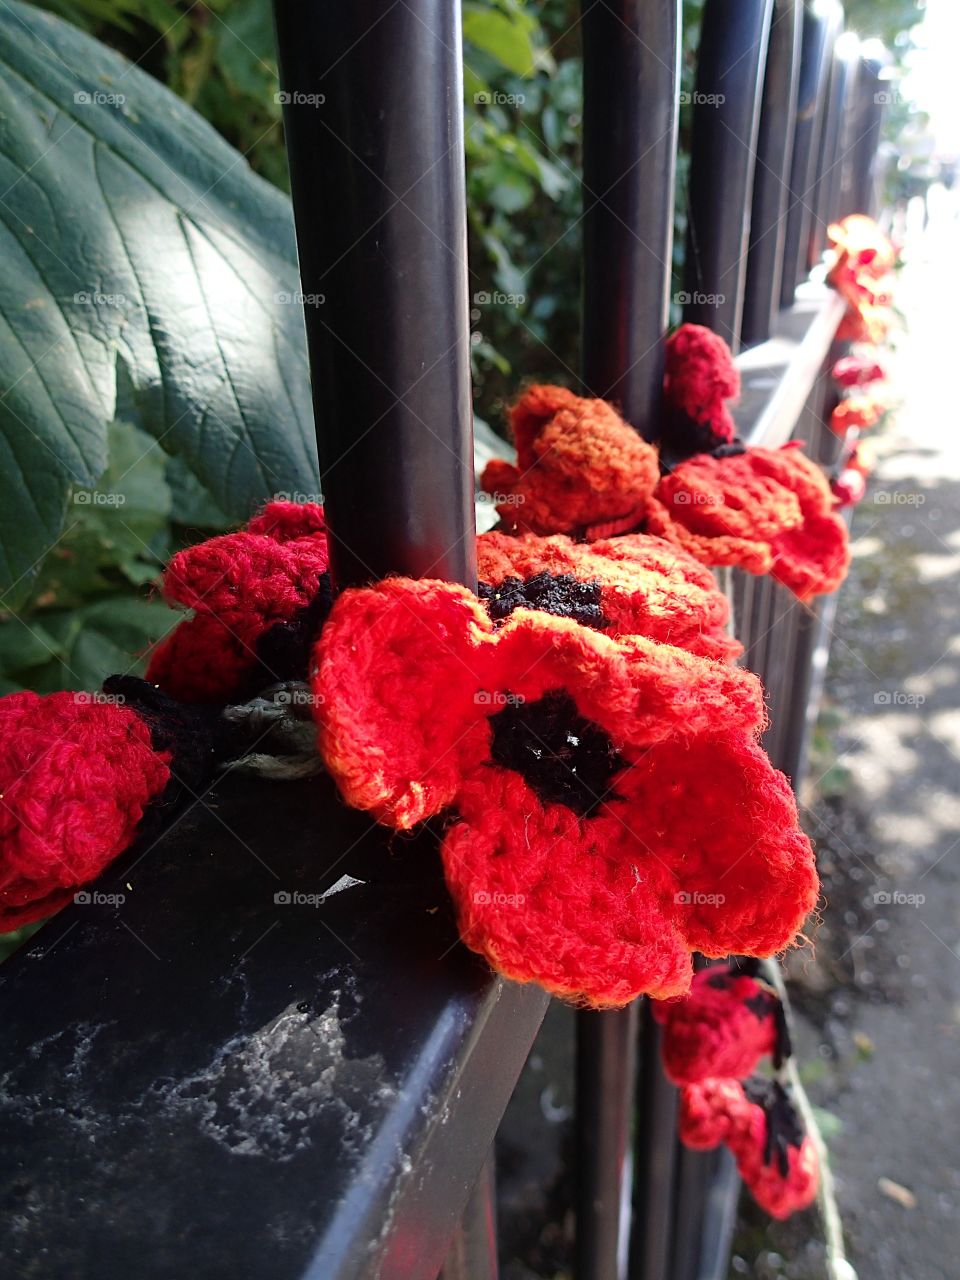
581 470
608 807
712 1042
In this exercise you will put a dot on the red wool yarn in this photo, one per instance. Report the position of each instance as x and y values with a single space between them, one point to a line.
699 377
251 594
775 1158
858 412
724 1027
613 809
857 371
578 464
645 586
764 510
76 775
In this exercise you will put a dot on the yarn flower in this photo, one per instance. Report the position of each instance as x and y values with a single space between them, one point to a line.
80 774
611 808
856 413
699 378
857 371
765 510
848 488
634 585
724 1027
578 465
776 1159
861 273
258 598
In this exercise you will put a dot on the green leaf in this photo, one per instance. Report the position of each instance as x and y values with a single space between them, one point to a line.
140 266
110 636
505 39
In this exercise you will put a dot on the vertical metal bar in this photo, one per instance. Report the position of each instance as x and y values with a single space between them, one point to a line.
726 119
655 1162
631 52
374 126
473 1250
630 76
872 96
817 20
849 47
829 150
606 1072
771 184
842 87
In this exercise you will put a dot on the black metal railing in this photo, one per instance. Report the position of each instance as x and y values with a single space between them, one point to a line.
257 1067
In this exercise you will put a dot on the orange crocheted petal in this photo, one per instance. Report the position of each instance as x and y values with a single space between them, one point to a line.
400 678
647 586
737 496
578 463
550 897
813 560
728 824
719 550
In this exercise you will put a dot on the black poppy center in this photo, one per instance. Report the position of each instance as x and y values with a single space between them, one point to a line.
563 757
784 1129
561 594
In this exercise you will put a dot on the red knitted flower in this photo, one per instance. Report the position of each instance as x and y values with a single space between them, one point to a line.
861 274
857 413
614 811
699 377
759 1123
857 371
578 464
632 585
728 1022
78 772
765 510
258 597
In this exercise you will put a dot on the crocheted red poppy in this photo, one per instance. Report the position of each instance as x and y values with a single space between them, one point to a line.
759 1123
856 413
857 371
699 377
78 772
631 585
728 1022
578 464
864 258
613 809
765 510
849 487
258 598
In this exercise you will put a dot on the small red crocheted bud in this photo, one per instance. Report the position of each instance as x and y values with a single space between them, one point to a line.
849 487
728 1022
699 377
861 274
613 809
759 1123
764 510
78 774
578 464
857 371
635 585
258 599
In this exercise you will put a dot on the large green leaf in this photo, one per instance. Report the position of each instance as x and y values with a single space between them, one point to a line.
142 267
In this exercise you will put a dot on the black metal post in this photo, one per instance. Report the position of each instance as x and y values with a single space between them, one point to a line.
655 1162
771 185
733 54
630 77
814 68
829 155
374 126
873 94
631 72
